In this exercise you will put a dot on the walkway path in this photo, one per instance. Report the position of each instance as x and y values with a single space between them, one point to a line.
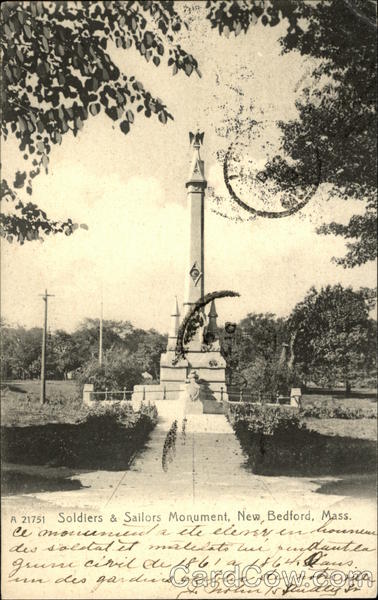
208 465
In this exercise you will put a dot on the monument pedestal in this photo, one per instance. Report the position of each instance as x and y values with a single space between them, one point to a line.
206 367
204 363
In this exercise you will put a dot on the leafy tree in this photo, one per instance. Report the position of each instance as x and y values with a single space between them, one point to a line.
333 334
258 335
333 137
146 346
64 355
256 374
58 72
118 371
20 352
86 338
148 352
255 353
21 349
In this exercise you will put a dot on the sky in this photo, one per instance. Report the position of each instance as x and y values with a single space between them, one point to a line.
130 191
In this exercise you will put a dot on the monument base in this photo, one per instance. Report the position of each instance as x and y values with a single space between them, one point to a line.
201 374
203 363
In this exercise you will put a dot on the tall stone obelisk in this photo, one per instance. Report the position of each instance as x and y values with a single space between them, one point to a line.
202 354
196 185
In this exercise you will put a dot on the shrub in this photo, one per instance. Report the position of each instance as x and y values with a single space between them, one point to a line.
261 413
264 375
113 411
269 420
149 410
326 411
117 372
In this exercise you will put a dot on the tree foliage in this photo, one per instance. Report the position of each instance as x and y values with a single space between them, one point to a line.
117 372
328 338
20 351
64 356
269 376
260 335
69 352
254 356
336 114
334 338
147 355
145 346
58 72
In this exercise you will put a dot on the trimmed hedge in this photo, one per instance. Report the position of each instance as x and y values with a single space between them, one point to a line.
106 438
314 411
327 411
277 442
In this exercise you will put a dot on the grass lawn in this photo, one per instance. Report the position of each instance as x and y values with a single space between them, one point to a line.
54 389
354 428
20 403
362 401
364 429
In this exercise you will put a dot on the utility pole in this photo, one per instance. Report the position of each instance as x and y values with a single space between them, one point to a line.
100 337
45 297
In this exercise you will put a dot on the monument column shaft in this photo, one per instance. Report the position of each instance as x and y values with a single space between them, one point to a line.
195 278
196 185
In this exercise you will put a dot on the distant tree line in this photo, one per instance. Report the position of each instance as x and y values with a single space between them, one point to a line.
329 338
68 354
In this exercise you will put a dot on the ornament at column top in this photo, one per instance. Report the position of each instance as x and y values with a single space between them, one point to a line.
196 139
196 180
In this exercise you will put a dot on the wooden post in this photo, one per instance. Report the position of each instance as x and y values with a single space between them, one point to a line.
100 336
43 356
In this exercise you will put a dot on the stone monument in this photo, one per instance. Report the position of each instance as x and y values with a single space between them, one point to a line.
203 360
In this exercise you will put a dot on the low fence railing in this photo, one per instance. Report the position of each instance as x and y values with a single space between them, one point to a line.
233 396
251 397
111 395
144 393
126 395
